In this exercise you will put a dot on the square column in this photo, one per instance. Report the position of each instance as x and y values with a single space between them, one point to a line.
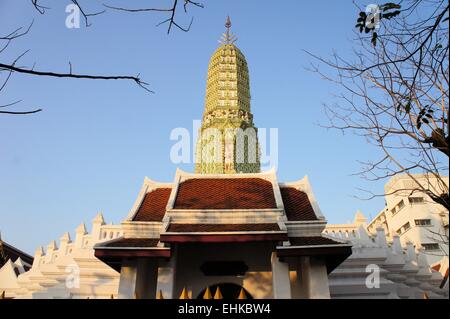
138 279
313 278
280 278
167 276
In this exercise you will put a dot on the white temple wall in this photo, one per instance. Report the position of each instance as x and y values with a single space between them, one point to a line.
383 267
404 270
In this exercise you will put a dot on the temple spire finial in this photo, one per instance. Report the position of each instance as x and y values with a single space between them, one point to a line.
228 37
228 23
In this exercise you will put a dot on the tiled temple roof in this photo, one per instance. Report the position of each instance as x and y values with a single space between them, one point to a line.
153 207
297 205
13 253
225 193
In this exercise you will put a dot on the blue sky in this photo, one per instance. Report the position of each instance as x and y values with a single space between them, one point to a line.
91 147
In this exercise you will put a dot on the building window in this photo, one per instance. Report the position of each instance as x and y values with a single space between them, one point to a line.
423 222
404 228
433 246
398 207
415 200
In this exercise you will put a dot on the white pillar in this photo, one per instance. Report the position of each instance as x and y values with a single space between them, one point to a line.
280 278
138 278
313 277
170 276
127 282
147 278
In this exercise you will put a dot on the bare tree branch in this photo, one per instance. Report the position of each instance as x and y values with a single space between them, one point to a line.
171 20
396 93
136 79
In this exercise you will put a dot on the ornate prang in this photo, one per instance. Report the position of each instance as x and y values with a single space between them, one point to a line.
221 149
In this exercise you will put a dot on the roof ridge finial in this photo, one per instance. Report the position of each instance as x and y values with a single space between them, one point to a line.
228 23
228 37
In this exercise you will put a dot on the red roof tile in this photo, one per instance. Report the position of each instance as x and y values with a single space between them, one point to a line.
153 206
225 193
312 241
133 242
297 205
194 228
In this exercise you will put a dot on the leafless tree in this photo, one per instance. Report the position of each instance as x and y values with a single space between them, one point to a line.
395 92
8 69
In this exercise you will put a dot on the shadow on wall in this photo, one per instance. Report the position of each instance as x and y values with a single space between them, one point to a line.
259 284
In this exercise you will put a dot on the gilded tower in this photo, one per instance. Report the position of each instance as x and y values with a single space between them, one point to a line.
227 140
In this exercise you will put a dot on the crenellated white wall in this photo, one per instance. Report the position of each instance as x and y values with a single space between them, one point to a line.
69 269
402 271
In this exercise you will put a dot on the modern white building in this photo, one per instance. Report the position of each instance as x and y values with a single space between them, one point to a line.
413 216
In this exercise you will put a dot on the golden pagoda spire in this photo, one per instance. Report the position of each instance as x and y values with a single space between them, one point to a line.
228 138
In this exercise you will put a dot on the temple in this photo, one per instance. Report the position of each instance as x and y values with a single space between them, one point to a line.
228 224
204 230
